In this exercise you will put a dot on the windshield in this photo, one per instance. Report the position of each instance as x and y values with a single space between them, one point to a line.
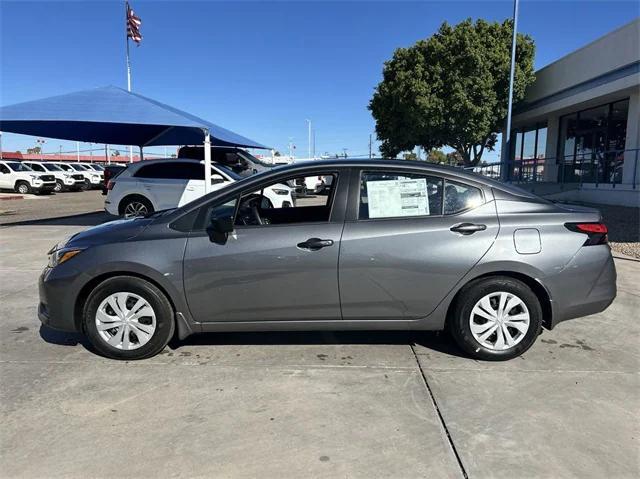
50 167
249 157
15 166
79 167
228 171
98 167
65 167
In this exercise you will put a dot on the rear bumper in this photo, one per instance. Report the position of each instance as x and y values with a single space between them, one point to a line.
587 285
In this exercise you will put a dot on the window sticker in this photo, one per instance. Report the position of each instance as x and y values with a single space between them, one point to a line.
393 198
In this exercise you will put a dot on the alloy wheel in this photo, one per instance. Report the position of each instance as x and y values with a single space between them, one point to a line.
499 320
135 209
125 321
23 189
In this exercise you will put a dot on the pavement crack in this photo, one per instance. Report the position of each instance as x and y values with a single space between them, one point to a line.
440 417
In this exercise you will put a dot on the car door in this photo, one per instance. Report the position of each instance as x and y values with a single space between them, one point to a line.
195 183
283 270
408 239
5 177
163 183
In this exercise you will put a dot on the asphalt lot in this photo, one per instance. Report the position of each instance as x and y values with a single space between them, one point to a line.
358 404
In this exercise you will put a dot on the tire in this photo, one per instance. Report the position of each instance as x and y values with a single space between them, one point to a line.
23 187
136 344
477 311
59 186
135 205
86 185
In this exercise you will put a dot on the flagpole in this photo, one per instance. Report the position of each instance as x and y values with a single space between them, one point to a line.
126 16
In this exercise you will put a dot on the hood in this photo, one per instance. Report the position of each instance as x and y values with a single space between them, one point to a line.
111 232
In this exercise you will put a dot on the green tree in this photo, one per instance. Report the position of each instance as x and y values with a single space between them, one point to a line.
410 156
436 156
34 151
451 89
455 158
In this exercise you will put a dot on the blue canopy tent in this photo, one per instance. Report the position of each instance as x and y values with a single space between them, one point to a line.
112 115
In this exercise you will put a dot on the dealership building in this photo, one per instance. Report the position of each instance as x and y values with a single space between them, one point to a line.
576 135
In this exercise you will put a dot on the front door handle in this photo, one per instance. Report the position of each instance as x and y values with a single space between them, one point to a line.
314 244
467 228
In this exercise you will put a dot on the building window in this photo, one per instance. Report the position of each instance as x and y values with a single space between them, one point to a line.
529 145
591 144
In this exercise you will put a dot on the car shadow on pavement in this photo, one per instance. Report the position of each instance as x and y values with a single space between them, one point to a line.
433 340
84 219
63 338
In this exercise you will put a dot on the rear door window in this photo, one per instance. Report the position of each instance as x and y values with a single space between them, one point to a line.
171 171
459 197
386 194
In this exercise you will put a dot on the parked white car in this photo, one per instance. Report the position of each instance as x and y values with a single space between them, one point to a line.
92 179
154 185
65 181
16 176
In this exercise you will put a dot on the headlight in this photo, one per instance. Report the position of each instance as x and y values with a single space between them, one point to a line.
59 256
280 192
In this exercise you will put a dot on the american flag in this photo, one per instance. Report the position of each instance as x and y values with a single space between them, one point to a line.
133 25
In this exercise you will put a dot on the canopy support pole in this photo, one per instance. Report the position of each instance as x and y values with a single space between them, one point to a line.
207 161
141 154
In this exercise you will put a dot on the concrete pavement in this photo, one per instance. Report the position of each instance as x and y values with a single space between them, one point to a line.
313 404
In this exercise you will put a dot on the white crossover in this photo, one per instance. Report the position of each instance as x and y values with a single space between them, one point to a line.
154 185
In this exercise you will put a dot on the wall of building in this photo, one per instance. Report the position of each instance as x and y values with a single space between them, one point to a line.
613 51
601 72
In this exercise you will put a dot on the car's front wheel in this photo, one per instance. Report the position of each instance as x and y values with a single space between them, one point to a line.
23 187
128 318
496 318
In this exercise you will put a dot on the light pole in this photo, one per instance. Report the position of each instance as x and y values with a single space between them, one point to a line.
309 146
505 162
41 142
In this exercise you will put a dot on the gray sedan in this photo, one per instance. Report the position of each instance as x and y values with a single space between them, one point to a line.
394 245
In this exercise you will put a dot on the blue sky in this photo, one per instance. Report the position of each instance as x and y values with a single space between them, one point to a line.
258 68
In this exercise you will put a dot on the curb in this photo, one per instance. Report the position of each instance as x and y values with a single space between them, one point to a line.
12 197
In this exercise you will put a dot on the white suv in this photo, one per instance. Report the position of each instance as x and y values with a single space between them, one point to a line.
154 185
65 181
92 179
18 177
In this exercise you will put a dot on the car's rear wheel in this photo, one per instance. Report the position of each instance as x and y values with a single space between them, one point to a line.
496 318
128 318
134 206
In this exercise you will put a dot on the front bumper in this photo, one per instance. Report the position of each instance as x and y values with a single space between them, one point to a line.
43 186
58 290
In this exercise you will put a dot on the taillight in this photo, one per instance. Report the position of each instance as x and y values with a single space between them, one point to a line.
110 185
596 232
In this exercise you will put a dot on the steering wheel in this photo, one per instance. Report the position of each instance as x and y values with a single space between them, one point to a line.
249 212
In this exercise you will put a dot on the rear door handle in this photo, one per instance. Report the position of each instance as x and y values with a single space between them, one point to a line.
467 228
314 244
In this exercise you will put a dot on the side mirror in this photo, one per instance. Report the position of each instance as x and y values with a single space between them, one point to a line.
219 229
215 179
